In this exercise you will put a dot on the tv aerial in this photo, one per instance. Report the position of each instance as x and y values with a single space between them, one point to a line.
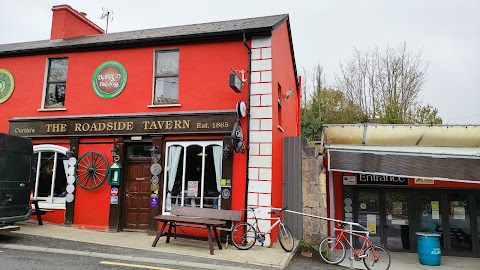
107 14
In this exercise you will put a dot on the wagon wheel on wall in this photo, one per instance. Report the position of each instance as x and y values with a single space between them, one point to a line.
91 170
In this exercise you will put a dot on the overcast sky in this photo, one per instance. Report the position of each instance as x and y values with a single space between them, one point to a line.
324 32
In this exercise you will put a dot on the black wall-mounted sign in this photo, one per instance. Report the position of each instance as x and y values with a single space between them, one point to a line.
106 125
375 179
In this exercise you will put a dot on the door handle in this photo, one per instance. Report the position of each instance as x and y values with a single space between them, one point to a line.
127 196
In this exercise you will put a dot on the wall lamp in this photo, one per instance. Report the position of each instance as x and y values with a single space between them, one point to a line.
288 93
226 151
235 82
154 153
114 151
69 153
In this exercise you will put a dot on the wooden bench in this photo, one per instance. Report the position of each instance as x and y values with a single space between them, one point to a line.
210 219
230 216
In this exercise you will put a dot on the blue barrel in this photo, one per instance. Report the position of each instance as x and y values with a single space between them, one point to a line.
428 247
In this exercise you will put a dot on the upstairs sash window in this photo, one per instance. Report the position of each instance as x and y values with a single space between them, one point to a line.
56 83
166 77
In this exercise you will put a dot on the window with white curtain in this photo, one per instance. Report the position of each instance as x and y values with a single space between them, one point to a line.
193 173
50 172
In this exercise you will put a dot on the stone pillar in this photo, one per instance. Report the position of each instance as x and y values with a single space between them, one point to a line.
314 190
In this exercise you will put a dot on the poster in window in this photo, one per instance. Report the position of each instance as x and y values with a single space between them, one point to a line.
457 209
192 189
372 223
435 210
397 208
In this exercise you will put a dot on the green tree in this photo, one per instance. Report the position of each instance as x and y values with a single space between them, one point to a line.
386 85
326 105
427 115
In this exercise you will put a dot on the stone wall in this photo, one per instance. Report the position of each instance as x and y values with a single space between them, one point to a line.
314 190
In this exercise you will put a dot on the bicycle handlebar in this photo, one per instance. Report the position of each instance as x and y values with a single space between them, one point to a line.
275 210
342 224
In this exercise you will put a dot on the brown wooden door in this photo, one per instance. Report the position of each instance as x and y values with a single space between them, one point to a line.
137 196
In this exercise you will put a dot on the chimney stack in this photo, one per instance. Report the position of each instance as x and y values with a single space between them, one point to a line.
68 22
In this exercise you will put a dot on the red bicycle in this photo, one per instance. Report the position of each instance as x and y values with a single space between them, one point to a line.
332 249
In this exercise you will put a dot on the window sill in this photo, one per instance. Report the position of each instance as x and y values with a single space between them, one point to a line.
164 105
280 128
51 109
58 206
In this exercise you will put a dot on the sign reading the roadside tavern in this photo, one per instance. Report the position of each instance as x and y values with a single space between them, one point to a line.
130 125
374 179
109 79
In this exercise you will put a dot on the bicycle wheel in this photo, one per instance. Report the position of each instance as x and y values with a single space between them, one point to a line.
331 250
376 257
285 238
243 236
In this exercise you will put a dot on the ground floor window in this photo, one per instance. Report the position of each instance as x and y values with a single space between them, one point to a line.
51 171
193 173
395 215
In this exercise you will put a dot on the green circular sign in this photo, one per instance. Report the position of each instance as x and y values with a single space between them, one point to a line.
7 83
109 79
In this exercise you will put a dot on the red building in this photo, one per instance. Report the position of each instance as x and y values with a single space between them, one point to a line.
160 103
398 180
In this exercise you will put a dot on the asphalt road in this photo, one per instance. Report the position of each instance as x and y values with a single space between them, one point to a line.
20 251
21 260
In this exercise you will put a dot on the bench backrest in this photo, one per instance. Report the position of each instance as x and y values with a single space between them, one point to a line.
221 214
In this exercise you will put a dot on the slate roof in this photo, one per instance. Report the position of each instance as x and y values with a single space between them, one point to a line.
147 37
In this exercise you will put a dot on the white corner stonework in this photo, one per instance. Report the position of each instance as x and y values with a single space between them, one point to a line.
261 88
259 42
260 65
261 112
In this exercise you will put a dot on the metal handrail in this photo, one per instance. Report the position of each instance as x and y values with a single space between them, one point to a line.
351 224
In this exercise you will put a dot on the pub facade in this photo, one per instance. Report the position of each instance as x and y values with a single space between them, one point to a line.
125 125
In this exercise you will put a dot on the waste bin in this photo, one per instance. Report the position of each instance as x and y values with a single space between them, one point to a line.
428 247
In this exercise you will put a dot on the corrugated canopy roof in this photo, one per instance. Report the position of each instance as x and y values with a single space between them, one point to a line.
439 152
433 152
404 135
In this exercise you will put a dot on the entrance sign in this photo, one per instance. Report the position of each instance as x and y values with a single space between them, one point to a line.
374 179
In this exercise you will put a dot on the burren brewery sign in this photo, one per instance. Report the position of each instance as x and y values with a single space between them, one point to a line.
126 125
109 79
